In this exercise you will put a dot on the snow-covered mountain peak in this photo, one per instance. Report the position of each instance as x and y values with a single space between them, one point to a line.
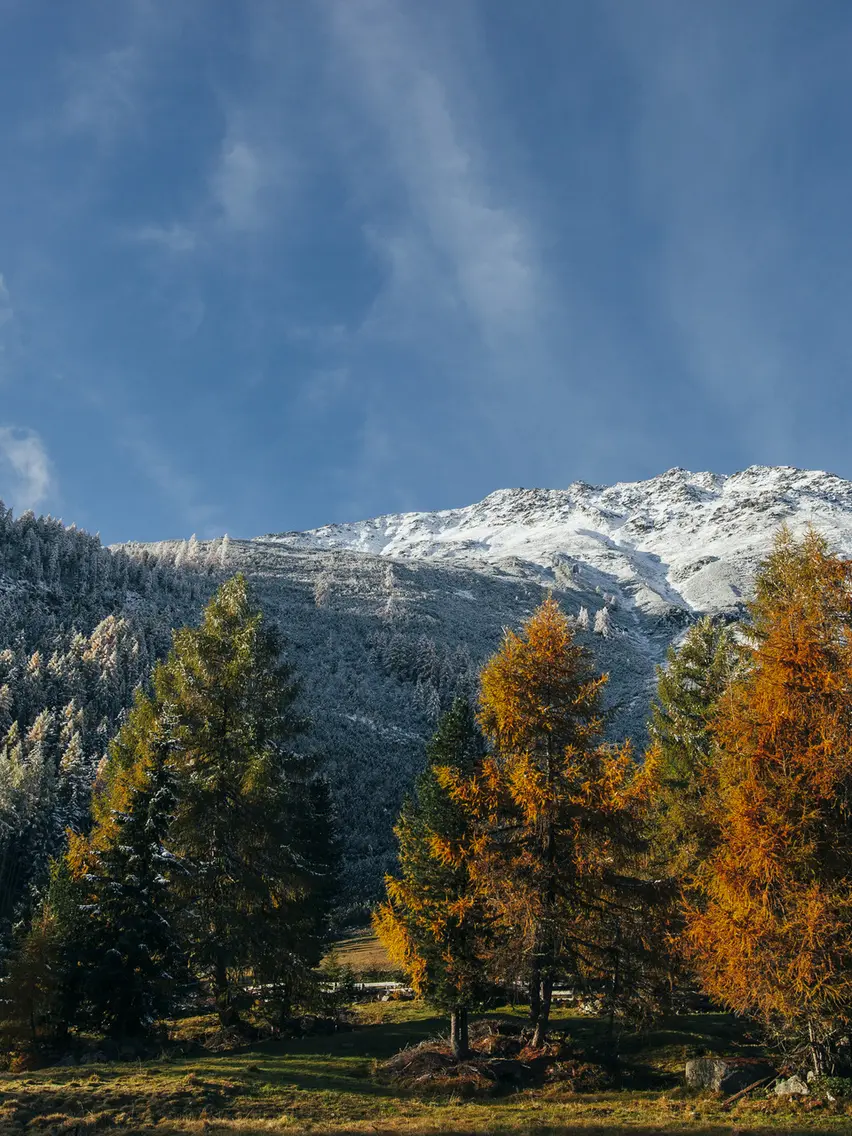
682 539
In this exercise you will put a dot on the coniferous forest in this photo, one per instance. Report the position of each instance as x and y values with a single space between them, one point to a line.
174 850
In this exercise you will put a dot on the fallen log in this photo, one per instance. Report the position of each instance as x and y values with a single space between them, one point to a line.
726 1104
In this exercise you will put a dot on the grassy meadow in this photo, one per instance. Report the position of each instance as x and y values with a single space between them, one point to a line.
333 1084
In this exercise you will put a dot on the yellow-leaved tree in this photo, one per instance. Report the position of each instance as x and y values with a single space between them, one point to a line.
769 919
558 816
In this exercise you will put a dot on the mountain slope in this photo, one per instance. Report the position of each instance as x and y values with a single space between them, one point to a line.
687 540
387 619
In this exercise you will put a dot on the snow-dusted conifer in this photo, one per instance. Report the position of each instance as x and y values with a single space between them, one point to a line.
603 623
128 952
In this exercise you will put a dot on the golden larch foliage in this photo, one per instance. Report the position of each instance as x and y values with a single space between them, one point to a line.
769 923
556 807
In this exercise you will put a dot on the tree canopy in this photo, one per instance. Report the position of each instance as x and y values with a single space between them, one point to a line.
769 925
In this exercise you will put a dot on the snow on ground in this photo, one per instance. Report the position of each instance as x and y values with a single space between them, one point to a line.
682 539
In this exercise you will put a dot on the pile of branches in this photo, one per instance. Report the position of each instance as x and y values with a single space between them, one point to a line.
501 1059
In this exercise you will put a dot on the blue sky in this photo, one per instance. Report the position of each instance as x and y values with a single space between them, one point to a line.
267 265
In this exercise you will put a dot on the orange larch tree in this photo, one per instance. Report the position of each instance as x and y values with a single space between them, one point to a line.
557 811
769 919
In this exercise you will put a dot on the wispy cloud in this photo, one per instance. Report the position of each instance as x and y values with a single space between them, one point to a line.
101 93
25 474
710 115
466 299
457 223
241 177
174 238
106 88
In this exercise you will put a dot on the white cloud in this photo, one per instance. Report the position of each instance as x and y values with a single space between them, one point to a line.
465 228
25 477
244 180
465 292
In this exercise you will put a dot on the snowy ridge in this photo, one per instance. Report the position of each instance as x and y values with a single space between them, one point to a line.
682 539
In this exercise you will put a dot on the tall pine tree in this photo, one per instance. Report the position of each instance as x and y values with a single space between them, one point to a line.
128 953
433 922
689 689
254 882
211 850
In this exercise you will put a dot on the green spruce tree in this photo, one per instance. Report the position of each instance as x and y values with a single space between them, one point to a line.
128 949
433 922
210 855
41 984
689 687
248 818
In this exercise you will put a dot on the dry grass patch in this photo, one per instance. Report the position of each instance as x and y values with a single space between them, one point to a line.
363 954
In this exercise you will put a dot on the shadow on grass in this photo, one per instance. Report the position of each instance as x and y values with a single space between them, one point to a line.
338 1062
342 1062
327 1081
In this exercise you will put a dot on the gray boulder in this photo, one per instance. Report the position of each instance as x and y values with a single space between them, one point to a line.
726 1074
792 1087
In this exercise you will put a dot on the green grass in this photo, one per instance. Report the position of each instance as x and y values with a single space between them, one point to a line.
327 1085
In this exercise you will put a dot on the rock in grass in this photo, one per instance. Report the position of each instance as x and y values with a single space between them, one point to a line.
792 1087
726 1074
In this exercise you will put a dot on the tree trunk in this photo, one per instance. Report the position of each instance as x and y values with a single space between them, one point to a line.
818 1055
535 994
543 1020
228 1016
459 1036
616 977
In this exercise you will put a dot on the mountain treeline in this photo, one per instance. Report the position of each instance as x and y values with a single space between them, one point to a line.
208 866
80 629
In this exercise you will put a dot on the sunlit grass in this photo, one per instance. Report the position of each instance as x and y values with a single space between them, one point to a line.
327 1085
362 952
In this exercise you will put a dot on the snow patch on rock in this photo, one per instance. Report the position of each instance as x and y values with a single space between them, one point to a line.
680 540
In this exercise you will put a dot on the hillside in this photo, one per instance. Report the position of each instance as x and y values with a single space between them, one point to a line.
388 618
80 628
385 621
